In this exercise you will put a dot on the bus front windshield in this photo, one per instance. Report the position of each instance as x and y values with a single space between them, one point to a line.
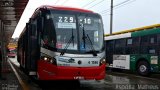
73 31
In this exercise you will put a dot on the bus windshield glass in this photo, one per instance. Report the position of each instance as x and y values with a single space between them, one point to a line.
68 30
90 32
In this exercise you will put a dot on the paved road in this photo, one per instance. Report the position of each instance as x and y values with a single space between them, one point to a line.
112 81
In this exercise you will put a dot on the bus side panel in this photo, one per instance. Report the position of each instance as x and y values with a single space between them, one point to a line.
121 61
27 51
151 59
133 60
154 63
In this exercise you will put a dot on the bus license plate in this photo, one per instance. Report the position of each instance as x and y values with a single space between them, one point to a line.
78 77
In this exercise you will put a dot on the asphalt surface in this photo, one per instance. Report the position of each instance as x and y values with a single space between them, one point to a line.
112 81
8 81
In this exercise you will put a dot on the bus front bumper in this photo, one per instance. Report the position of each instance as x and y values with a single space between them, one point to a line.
48 71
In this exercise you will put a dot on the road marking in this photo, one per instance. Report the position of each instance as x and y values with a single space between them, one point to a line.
24 86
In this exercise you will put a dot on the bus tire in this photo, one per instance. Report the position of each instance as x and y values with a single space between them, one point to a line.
143 68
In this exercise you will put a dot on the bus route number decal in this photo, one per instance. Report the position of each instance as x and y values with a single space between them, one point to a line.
66 19
92 62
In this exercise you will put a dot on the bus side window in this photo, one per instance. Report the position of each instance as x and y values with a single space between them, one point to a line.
153 39
158 43
129 46
120 45
144 40
152 48
109 51
129 41
110 46
158 38
49 34
132 46
144 45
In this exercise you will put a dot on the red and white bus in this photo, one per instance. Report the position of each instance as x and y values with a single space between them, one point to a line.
11 53
63 43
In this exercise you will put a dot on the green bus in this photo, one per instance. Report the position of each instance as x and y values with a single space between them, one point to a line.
136 49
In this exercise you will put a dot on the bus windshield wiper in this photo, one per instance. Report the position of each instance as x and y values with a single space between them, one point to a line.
93 50
68 43
84 38
84 42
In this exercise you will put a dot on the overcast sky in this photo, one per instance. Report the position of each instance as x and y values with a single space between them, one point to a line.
127 14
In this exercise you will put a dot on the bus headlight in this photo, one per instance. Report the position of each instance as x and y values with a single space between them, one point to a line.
49 59
102 61
45 58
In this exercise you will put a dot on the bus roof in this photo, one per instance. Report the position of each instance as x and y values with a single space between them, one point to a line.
59 8
136 29
65 8
147 30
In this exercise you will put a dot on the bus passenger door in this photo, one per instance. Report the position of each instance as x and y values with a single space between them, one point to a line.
33 54
109 51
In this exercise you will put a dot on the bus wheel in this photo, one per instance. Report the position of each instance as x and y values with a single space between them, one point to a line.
143 68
